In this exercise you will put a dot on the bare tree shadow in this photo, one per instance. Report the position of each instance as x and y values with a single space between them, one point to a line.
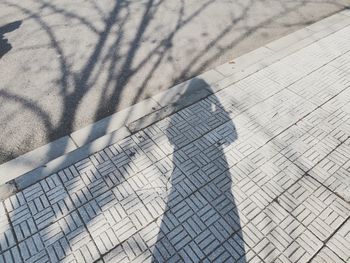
4 45
200 207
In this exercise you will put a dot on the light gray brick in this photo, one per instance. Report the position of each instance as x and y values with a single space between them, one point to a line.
11 256
340 242
326 255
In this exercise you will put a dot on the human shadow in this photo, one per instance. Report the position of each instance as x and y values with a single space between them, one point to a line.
201 220
5 46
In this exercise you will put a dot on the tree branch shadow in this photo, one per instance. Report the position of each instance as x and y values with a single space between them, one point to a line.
68 198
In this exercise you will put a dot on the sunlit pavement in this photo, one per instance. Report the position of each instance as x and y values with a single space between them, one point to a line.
257 172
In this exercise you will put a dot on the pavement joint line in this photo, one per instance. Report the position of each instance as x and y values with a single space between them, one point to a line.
12 231
325 186
80 217
251 73
215 69
76 145
329 238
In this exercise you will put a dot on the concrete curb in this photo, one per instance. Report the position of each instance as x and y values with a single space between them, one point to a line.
70 158
113 122
35 158
31 167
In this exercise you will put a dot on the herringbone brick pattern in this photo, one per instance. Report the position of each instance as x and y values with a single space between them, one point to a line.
257 172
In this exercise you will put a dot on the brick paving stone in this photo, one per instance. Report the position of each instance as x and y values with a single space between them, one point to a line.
275 234
317 208
262 84
333 171
12 255
327 255
7 239
340 242
312 57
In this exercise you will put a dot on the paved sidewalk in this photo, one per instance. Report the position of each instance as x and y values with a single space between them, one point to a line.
257 172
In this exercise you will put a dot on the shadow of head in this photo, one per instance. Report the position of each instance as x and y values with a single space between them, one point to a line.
200 113
4 45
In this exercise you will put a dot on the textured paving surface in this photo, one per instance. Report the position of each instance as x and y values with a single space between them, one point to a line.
65 64
258 172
